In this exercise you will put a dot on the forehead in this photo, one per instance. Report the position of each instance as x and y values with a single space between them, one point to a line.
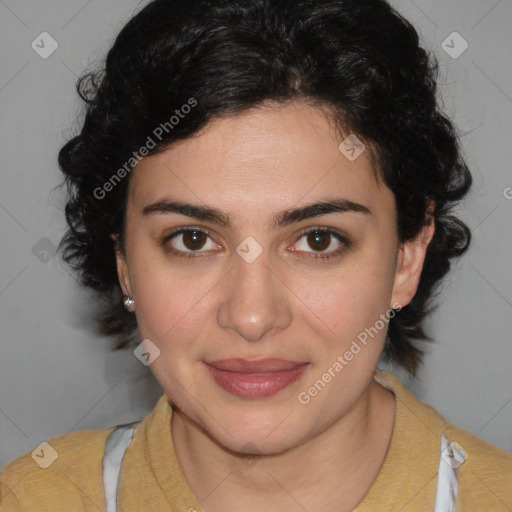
259 162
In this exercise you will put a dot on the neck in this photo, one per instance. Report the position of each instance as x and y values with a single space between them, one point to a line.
331 471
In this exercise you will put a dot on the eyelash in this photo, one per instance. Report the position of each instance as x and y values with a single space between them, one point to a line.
306 231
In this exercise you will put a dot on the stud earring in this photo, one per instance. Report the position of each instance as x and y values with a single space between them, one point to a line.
129 303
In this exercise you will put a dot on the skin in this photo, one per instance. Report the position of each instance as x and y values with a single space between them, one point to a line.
253 166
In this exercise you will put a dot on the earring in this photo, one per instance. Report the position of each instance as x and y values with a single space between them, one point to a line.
129 303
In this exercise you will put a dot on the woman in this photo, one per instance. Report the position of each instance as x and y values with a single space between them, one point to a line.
261 195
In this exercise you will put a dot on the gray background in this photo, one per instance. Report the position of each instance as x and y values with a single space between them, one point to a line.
57 375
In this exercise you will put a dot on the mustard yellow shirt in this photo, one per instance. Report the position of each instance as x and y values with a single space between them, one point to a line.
151 479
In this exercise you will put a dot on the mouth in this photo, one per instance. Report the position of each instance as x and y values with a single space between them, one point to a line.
255 379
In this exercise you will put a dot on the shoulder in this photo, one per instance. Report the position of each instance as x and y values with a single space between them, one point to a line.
480 452
65 471
485 477
60 451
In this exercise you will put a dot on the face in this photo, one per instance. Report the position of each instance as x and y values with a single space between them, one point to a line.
219 295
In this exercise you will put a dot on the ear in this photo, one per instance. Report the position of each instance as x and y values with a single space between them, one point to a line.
411 256
122 267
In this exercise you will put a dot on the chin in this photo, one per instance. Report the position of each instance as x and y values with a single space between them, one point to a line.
257 434
258 444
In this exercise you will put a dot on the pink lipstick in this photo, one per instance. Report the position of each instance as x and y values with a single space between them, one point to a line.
255 379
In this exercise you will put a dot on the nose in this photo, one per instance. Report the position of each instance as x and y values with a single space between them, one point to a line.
255 300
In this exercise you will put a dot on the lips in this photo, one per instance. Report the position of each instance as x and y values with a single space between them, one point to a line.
255 379
261 366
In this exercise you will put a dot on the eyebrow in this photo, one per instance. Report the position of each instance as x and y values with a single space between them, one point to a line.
284 218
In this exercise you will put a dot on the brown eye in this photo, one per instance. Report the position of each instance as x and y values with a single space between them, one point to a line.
188 242
194 240
321 243
318 240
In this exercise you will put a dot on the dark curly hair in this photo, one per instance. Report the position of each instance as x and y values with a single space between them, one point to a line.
359 57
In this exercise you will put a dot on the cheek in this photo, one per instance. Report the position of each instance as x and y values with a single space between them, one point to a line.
348 300
169 304
175 307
